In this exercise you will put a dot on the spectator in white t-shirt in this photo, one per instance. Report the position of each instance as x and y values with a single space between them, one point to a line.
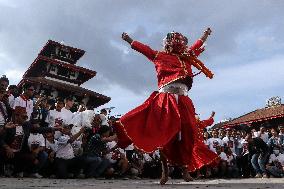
281 130
66 113
214 141
65 158
276 163
103 116
239 144
36 138
24 100
222 133
55 118
12 92
229 140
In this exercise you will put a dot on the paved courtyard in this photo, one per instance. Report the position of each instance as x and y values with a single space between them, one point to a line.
27 183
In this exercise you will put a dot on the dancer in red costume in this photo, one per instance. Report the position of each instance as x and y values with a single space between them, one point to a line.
166 120
202 155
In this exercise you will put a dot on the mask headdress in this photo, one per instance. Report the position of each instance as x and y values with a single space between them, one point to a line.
175 42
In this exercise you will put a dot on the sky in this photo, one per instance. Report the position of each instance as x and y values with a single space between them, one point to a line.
244 51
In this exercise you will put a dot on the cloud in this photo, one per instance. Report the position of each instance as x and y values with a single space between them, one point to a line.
244 34
7 3
239 89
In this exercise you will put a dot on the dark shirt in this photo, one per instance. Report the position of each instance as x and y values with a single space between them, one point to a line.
96 147
39 116
257 145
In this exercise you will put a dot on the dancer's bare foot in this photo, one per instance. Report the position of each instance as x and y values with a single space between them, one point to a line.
165 174
185 175
165 168
199 175
208 173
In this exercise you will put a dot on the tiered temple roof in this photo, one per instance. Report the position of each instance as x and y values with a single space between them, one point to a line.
55 69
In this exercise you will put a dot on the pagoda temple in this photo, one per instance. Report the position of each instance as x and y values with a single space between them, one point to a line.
54 72
271 115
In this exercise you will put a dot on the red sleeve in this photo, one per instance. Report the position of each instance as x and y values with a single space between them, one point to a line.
144 49
206 123
196 47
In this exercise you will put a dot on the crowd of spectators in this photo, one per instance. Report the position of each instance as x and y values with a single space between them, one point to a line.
247 153
43 137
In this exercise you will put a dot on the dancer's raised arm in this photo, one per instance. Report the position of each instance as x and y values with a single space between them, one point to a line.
197 48
207 122
140 47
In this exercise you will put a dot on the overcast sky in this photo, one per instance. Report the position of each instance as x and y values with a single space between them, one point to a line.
245 50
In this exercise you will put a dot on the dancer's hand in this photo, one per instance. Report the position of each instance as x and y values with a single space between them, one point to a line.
126 38
212 114
207 32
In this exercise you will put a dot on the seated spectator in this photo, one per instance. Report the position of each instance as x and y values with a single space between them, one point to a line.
14 147
214 141
259 152
136 164
275 164
152 166
50 149
221 169
96 151
65 160
232 169
36 144
119 162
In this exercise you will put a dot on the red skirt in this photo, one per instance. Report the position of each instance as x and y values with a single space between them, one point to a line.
161 122
202 156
